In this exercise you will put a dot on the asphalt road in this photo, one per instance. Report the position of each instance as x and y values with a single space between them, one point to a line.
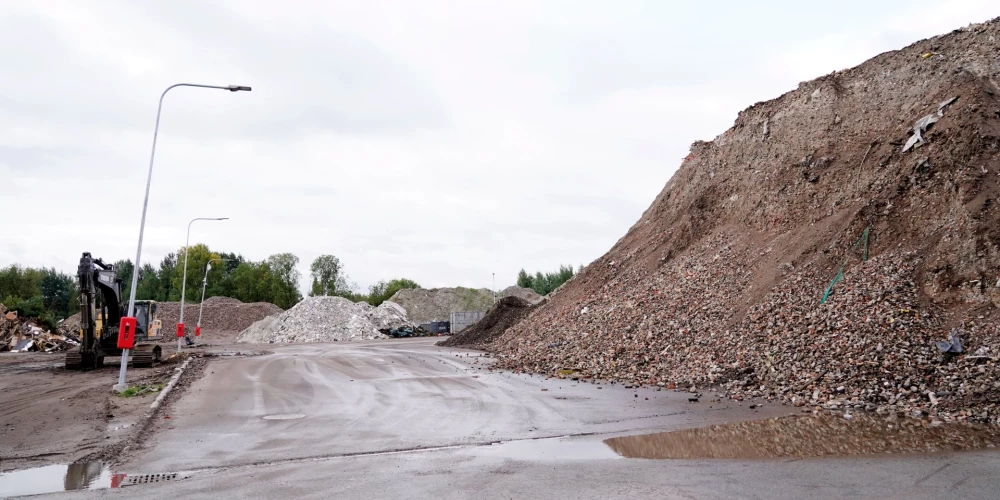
406 419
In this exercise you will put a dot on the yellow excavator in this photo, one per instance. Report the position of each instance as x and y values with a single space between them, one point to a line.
101 312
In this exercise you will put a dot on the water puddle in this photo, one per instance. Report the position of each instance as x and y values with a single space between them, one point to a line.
549 449
809 436
55 478
284 416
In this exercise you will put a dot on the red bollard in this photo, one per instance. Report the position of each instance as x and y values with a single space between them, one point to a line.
117 480
197 331
180 330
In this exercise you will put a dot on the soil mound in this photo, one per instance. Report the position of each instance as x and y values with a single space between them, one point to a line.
503 315
723 278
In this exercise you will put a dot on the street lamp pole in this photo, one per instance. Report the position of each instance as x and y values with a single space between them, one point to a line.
494 288
204 283
187 250
142 224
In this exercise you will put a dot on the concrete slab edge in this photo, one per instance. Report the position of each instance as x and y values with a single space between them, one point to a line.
179 371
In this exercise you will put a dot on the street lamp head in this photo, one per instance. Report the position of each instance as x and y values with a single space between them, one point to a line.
237 88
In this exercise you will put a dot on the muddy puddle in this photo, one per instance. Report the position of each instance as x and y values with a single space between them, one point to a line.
55 478
809 436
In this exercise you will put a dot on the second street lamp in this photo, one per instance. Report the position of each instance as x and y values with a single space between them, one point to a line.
204 283
187 250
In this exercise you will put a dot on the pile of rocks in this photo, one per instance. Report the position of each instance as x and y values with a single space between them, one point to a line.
326 319
220 314
437 304
720 281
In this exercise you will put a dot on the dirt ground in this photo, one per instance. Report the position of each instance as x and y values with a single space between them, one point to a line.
49 415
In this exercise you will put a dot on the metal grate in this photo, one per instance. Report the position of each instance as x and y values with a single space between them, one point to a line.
148 478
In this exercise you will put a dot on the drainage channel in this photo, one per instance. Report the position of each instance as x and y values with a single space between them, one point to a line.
74 477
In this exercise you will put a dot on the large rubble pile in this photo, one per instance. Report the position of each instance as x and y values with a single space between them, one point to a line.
26 335
220 314
327 319
437 304
504 314
721 280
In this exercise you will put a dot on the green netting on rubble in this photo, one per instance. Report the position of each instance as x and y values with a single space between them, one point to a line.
840 273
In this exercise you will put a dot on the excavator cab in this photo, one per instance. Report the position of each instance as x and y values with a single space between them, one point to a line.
147 326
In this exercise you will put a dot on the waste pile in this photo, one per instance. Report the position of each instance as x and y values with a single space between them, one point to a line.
524 293
437 304
813 254
326 319
26 335
504 314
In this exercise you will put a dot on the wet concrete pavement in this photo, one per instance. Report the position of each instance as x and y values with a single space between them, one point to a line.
406 419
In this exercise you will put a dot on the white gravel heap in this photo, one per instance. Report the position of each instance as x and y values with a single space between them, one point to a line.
326 319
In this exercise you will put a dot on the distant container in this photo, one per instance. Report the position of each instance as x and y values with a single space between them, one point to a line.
462 320
440 326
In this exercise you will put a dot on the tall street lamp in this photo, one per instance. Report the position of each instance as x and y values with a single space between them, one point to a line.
187 250
204 283
128 321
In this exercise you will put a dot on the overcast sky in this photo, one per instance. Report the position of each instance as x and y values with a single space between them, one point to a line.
436 140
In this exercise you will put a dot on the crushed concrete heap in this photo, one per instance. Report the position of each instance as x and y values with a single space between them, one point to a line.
437 304
726 279
326 319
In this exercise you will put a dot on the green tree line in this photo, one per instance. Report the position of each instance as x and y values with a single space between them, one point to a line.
45 294
545 283
50 295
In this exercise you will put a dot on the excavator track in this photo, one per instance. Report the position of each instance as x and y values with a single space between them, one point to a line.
77 360
144 355
74 359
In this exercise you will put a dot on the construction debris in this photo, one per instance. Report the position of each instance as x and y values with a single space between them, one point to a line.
326 319
26 335
720 281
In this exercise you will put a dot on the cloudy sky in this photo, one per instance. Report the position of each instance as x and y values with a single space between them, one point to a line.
437 140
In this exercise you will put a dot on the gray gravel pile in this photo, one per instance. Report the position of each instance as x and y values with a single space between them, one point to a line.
437 304
326 319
